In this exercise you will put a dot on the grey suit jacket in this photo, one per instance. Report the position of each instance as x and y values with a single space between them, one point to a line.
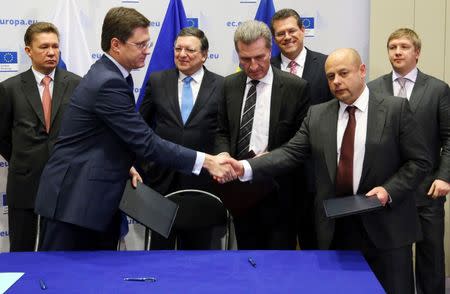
24 142
395 158
430 104
161 110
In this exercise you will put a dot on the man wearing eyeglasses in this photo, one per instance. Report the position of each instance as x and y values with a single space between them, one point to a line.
31 108
100 139
180 105
289 32
262 109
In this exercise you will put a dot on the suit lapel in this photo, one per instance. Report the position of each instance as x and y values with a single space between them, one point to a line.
328 131
311 66
206 88
31 92
275 104
376 119
172 95
59 90
237 99
418 91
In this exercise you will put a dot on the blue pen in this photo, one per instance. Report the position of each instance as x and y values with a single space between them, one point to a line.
43 285
252 262
144 279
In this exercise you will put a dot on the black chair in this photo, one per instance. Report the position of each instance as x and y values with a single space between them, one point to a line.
200 210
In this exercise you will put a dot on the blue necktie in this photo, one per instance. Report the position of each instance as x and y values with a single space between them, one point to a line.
187 100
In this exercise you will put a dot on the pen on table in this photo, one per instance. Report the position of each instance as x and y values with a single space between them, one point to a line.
252 262
43 285
145 279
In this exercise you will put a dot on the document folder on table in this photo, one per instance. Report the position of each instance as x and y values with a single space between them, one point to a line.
149 208
356 204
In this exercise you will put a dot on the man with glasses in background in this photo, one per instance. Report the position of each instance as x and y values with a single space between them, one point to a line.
180 104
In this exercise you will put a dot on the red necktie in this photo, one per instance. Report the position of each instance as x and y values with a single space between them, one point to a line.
293 67
344 175
47 101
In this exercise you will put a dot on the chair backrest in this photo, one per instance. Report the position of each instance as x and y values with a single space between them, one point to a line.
198 209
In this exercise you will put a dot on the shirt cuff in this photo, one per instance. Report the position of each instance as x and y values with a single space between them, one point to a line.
199 160
248 172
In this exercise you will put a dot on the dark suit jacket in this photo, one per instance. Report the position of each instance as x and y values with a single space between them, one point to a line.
430 104
289 104
161 111
395 158
24 142
314 74
101 135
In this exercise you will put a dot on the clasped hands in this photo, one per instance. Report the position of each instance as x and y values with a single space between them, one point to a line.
223 168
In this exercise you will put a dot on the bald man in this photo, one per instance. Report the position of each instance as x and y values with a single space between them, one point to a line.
389 160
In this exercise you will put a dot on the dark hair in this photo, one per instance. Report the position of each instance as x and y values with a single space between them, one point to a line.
195 32
37 28
119 23
283 14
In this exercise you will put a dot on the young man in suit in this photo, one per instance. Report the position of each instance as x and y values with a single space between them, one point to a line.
101 136
361 144
289 32
180 104
30 118
262 109
430 102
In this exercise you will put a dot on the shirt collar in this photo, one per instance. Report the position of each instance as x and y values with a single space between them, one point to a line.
267 79
300 59
39 76
361 103
197 76
122 69
411 76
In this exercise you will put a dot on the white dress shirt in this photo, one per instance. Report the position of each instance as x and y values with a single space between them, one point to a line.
409 84
359 149
260 129
39 76
196 82
300 60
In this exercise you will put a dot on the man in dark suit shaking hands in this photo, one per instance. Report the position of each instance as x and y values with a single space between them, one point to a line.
361 144
31 107
180 105
430 102
101 136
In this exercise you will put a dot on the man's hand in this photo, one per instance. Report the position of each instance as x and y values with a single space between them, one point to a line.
135 177
439 188
381 193
219 168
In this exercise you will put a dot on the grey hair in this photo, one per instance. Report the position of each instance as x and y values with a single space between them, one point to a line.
250 31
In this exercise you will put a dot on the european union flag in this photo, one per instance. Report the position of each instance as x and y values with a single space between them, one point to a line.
8 57
308 22
162 57
264 13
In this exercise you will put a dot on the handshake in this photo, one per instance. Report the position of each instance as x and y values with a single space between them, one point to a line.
223 168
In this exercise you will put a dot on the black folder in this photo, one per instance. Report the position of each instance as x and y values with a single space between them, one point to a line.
149 208
356 204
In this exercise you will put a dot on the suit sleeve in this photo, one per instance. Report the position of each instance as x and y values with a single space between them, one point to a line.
286 158
114 107
443 172
415 156
6 117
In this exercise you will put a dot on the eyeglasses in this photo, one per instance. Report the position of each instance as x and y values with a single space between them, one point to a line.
282 34
188 51
142 45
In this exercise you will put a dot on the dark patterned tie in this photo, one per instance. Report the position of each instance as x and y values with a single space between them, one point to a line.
344 175
245 130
